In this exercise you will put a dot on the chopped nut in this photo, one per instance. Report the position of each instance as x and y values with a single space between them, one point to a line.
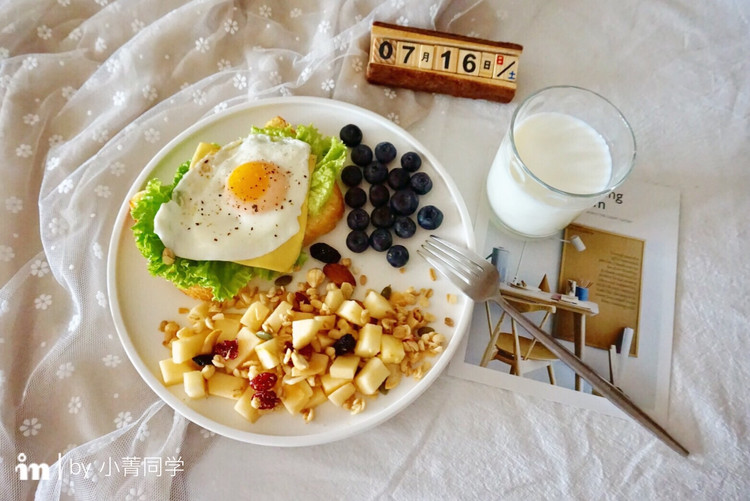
451 298
449 322
308 415
167 256
315 277
433 274
207 371
299 361
362 279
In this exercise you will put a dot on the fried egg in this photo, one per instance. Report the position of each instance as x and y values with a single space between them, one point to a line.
239 203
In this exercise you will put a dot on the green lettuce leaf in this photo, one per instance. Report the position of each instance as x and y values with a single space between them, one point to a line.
223 277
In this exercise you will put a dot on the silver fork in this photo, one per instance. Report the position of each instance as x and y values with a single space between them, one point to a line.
480 280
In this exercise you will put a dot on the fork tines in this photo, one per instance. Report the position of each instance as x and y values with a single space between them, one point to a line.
449 259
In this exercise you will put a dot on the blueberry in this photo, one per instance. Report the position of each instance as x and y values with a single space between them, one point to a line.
411 161
429 217
358 219
397 256
404 226
351 175
324 253
381 239
385 152
355 197
351 135
362 155
404 202
379 195
420 183
398 178
357 241
375 173
382 217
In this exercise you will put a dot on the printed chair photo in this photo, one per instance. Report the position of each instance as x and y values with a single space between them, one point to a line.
522 353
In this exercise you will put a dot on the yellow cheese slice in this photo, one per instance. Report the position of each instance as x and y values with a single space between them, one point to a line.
283 257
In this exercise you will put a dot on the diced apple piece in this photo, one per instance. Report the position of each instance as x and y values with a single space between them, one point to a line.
245 406
344 367
255 315
318 397
195 384
333 299
268 353
246 343
229 327
331 384
186 348
171 373
226 385
377 305
353 312
304 331
301 315
325 340
327 322
368 344
391 349
342 394
371 376
296 396
317 365
274 321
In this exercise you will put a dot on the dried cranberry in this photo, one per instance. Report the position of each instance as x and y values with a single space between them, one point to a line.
227 349
306 351
267 399
345 344
263 381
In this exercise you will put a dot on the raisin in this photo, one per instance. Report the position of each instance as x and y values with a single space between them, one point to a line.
203 360
324 253
345 344
263 381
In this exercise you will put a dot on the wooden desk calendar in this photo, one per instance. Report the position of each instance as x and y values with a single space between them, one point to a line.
432 61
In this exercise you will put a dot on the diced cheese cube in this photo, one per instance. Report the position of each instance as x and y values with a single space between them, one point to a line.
371 376
368 344
255 315
391 349
344 367
327 322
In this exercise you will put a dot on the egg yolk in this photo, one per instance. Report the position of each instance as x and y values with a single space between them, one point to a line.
259 185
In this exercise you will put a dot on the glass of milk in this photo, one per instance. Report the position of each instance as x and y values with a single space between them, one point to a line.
566 148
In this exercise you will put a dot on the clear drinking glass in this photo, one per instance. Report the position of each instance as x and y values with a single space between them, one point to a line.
566 149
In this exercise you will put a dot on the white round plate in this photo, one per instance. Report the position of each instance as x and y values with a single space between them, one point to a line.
140 301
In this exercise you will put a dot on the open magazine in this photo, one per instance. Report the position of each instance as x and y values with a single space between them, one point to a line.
608 283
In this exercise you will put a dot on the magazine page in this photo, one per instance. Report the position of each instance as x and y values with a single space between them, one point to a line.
604 287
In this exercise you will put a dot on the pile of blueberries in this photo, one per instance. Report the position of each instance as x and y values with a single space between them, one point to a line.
393 193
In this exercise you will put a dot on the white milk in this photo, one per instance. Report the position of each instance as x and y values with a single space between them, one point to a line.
565 153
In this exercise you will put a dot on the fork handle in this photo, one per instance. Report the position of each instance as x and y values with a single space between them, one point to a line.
604 387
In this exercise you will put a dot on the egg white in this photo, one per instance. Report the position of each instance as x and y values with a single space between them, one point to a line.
203 221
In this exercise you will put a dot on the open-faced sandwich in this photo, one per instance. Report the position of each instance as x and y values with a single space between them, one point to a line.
241 211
